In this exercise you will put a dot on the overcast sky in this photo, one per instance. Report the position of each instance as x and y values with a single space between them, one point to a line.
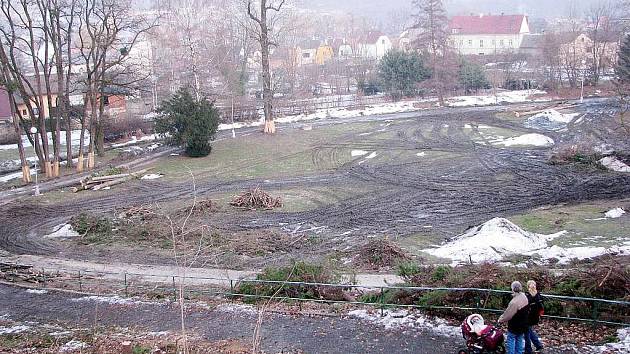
379 8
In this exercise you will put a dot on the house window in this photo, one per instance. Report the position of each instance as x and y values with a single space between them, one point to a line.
23 112
481 43
501 43
461 42
470 42
510 42
494 42
306 55
455 30
383 42
106 100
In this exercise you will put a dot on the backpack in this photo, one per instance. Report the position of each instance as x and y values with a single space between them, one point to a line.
536 309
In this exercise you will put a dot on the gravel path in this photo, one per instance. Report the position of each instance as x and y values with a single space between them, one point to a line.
280 332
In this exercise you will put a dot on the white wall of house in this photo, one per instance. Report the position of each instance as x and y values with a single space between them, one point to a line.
375 50
485 44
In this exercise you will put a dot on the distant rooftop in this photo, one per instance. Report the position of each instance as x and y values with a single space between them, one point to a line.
487 24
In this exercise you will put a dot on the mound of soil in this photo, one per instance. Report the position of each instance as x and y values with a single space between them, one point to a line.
256 243
380 254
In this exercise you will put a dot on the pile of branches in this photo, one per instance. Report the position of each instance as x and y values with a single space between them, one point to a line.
256 199
381 253
141 212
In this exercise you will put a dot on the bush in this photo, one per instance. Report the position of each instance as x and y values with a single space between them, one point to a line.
186 121
298 272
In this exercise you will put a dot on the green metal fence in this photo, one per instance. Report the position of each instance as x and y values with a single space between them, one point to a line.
166 285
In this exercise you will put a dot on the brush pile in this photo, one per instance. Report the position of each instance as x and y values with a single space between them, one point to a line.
256 199
381 253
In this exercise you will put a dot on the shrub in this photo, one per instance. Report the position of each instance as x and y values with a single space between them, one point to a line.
186 121
401 72
298 272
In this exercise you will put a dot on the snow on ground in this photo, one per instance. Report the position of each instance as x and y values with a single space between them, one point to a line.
622 346
404 319
113 300
398 107
501 97
75 136
134 140
237 308
500 238
528 140
73 345
614 164
356 153
63 231
372 155
550 120
151 176
615 213
14 329
37 291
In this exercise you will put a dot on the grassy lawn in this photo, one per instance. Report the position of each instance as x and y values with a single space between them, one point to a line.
582 223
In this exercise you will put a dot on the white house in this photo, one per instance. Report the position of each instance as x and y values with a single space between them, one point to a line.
374 45
487 34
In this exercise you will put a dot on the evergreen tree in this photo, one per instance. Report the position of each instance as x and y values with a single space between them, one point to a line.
186 121
623 63
400 72
472 76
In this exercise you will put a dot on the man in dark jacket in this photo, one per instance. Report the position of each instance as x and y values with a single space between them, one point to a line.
535 311
516 317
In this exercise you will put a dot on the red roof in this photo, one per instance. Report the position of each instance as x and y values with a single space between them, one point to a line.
487 24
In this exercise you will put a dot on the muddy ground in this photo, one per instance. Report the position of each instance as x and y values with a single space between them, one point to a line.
435 173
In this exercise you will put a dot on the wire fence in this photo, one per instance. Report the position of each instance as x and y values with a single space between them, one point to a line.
129 284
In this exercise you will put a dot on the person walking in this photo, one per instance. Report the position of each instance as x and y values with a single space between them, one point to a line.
536 310
516 315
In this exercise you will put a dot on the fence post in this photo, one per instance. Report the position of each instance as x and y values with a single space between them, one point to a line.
231 288
595 312
174 290
80 284
382 302
44 277
126 289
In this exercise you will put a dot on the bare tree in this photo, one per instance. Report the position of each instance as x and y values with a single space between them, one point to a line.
265 26
431 23
600 16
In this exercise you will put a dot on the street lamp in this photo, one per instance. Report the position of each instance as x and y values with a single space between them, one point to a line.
583 77
33 131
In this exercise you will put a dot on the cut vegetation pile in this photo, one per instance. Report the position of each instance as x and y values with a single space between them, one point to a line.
256 199
381 254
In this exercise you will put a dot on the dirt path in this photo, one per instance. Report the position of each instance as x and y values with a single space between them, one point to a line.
280 332
164 274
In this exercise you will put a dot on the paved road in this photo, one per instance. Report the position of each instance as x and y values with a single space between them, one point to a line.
280 332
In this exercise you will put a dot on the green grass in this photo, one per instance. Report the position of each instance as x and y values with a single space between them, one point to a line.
578 221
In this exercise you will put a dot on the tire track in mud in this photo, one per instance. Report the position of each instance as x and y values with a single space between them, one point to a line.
399 197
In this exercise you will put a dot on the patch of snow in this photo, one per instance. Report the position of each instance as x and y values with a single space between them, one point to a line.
421 154
237 308
73 345
356 153
501 97
550 120
615 213
63 231
499 238
75 137
60 334
622 346
112 300
492 241
37 291
151 176
371 156
528 139
14 329
134 140
403 319
614 164
12 176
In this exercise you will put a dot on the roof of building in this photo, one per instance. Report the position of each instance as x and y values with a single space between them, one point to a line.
488 24
371 37
310 44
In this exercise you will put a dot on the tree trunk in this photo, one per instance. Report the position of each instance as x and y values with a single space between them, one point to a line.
270 127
